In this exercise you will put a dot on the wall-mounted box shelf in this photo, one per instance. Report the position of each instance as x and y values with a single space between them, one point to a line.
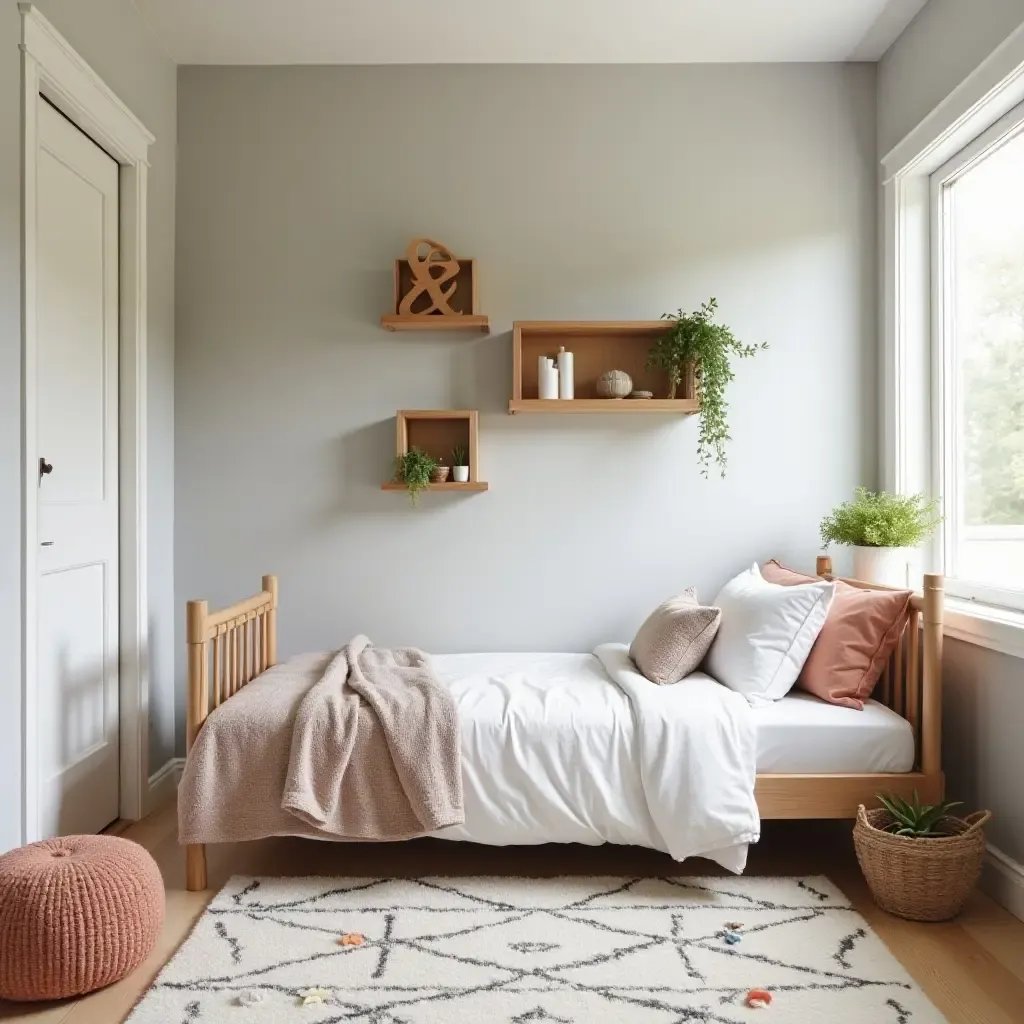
597 346
437 432
457 295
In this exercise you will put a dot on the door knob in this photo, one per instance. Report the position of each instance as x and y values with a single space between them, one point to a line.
45 467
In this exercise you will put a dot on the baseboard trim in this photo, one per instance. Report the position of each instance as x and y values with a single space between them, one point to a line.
163 783
1002 878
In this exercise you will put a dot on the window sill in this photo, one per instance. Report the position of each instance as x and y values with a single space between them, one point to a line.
998 629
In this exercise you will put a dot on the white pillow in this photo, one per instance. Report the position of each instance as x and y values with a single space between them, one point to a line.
767 631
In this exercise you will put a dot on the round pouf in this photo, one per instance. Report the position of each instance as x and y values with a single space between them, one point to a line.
76 913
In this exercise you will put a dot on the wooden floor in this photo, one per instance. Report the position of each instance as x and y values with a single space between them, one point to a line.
973 968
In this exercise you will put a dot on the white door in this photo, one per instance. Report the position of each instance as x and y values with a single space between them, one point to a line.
76 424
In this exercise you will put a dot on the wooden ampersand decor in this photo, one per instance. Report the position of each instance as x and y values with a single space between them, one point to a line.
431 271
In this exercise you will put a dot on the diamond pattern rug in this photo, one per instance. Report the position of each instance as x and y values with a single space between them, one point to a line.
514 951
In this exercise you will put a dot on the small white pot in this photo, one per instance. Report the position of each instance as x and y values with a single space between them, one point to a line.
887 566
461 474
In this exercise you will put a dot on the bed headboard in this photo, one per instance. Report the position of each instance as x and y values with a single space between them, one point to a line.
911 683
237 643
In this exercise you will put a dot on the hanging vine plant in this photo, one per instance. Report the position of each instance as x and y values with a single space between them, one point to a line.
695 340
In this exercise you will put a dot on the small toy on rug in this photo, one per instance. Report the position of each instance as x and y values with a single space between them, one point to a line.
250 997
351 939
314 996
758 998
734 926
730 937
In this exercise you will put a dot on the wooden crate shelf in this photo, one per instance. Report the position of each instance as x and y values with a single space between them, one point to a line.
437 431
597 346
461 310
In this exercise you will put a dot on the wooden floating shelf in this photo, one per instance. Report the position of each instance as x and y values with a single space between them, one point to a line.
450 485
437 432
435 322
615 406
597 346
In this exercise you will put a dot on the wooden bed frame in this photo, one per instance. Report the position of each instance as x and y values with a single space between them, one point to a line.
228 648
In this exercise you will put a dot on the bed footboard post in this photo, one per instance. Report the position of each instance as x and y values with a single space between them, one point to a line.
198 708
270 587
931 683
823 565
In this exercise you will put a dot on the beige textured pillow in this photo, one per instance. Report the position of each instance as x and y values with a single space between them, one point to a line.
673 641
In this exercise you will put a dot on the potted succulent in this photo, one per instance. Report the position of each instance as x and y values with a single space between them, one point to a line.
460 464
696 352
415 469
920 861
882 529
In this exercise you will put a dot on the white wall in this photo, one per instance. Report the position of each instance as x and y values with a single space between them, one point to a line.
983 691
945 42
111 36
583 192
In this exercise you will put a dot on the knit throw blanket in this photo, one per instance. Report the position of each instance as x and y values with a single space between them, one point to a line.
341 774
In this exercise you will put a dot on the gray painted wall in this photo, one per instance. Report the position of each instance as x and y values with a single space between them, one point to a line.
984 698
583 192
983 717
945 42
111 36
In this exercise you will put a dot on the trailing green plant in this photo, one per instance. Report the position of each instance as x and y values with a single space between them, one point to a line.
413 469
459 456
917 820
881 520
696 338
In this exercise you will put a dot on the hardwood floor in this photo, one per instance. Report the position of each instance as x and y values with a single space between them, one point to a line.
972 968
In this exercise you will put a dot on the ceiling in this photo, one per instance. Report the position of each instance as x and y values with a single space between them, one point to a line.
524 31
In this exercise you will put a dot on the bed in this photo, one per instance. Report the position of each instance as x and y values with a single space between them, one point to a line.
526 718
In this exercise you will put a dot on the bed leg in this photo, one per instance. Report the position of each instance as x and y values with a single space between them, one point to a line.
195 867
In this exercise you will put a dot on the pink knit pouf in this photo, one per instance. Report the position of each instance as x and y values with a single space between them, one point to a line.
76 914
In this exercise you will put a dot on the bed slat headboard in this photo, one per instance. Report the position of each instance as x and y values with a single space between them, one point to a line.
911 683
237 643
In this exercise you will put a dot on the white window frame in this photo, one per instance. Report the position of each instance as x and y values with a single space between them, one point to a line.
947 461
911 382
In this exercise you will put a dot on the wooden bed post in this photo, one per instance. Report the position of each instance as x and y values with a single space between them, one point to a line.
198 708
931 704
270 587
823 565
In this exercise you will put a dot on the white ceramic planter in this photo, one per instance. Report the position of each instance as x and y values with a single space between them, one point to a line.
460 474
887 566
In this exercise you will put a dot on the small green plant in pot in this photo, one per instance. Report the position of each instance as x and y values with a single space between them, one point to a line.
919 860
882 529
414 469
698 349
460 464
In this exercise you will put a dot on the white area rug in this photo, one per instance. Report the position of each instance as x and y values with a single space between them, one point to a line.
514 951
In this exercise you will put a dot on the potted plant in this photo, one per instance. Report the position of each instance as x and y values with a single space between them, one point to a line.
882 529
415 469
698 351
919 861
460 464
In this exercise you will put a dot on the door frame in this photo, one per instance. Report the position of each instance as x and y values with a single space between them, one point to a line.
53 69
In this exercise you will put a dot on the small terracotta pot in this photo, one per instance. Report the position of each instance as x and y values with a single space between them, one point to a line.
440 474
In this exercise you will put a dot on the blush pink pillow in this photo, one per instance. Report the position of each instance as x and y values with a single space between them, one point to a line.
856 641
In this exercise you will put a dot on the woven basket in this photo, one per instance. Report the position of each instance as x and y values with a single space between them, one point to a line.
440 474
920 879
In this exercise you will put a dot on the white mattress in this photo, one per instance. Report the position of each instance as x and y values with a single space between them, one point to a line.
551 692
802 734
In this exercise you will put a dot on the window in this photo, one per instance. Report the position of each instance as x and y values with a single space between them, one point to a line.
978 370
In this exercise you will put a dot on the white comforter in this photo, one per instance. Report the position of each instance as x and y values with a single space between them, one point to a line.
580 748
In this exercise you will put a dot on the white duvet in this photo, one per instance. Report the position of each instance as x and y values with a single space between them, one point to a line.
579 748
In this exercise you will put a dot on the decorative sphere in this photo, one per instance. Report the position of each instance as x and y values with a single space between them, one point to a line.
614 384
